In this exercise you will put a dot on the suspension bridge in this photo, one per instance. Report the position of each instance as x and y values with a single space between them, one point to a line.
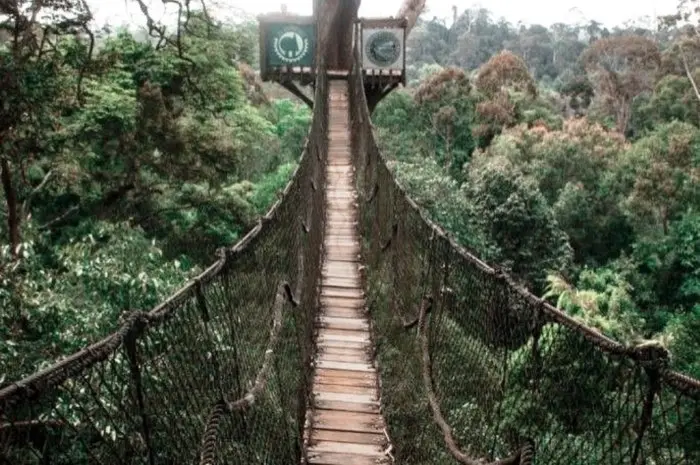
346 328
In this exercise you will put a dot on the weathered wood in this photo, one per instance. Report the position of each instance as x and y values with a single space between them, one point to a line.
329 458
340 389
346 436
343 350
356 324
346 419
345 343
346 448
343 302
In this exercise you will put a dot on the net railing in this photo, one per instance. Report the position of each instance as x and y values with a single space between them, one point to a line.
475 369
219 373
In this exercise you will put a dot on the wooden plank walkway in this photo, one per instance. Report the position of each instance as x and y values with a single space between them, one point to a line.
347 427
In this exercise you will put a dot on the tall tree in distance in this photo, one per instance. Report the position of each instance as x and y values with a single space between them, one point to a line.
412 9
29 59
503 73
686 47
621 68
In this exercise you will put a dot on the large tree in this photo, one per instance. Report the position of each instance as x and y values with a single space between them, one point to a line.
621 68
29 58
335 27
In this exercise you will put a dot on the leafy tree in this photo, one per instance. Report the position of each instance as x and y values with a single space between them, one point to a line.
621 68
505 70
517 220
444 100
124 166
663 170
602 299
496 81
31 92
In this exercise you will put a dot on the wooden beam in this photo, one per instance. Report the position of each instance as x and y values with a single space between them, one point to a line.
292 87
383 22
375 96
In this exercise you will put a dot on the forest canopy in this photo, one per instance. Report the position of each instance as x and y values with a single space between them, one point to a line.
128 157
568 155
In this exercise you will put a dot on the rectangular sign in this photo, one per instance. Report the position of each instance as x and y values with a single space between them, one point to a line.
292 45
382 48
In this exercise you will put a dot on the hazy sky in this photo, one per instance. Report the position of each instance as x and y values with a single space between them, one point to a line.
546 12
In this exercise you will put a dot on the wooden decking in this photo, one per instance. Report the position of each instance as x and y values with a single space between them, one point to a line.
346 426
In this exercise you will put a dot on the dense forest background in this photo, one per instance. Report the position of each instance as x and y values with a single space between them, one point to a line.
567 154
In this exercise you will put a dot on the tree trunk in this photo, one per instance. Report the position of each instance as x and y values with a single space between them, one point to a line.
13 219
623 115
336 19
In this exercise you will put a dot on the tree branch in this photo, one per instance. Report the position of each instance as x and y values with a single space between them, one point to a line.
688 73
59 218
36 190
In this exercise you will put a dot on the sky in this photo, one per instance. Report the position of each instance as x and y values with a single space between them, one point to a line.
546 12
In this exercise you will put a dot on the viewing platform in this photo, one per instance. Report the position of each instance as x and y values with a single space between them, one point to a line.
288 53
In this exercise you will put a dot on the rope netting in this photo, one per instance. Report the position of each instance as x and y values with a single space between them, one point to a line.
218 373
475 369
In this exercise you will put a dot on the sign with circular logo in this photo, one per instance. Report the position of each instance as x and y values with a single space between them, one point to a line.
383 48
290 44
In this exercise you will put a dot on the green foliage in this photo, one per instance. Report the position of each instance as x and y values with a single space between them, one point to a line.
673 99
602 299
57 300
518 220
663 171
439 194
125 170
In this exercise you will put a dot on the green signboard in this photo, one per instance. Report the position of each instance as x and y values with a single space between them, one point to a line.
290 45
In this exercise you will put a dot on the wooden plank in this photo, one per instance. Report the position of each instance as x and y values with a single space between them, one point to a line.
330 458
342 293
371 450
343 302
356 324
326 357
342 389
341 276
339 267
331 373
347 436
330 338
368 382
343 350
344 343
340 312
345 366
347 398
348 421
328 332
357 407
352 282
